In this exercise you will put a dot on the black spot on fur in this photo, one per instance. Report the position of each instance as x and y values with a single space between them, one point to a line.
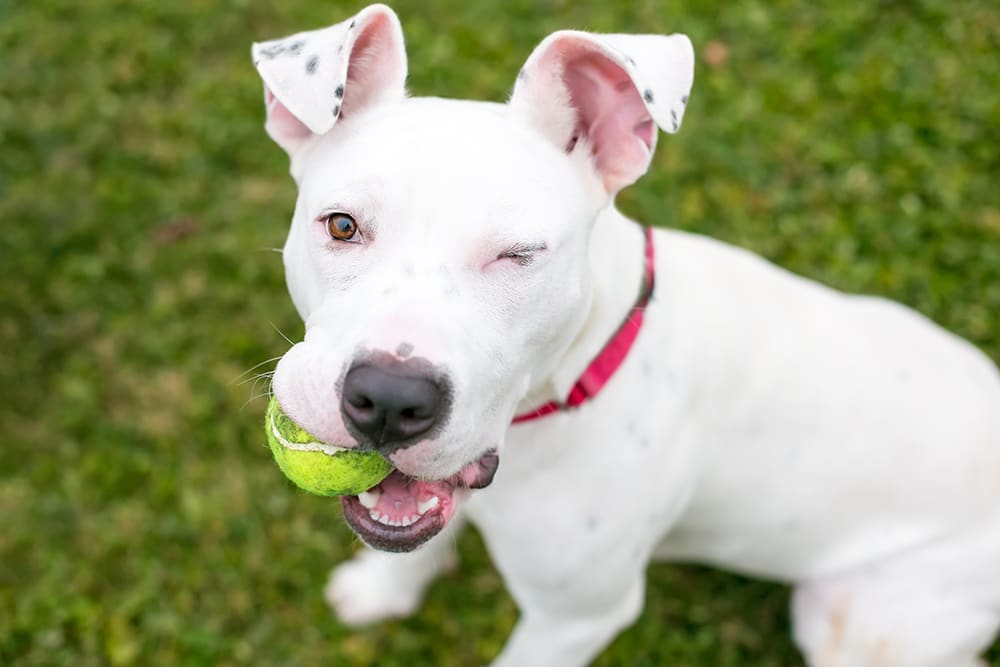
336 110
296 48
648 96
272 51
352 24
684 100
673 114
340 91
311 64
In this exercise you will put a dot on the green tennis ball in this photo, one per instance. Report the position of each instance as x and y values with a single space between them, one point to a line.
317 467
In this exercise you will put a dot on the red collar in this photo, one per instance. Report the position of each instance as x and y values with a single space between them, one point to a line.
611 356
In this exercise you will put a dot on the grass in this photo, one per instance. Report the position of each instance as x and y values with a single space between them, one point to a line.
142 521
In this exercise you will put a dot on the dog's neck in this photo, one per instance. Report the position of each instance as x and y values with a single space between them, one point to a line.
616 273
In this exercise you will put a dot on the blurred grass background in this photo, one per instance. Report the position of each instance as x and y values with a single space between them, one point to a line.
142 521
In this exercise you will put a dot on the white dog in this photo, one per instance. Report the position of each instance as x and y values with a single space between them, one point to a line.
461 266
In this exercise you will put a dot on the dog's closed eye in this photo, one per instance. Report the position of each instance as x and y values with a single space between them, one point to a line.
522 253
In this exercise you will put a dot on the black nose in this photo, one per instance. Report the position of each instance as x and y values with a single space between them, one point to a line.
391 401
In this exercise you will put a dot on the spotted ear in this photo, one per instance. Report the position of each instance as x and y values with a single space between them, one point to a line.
604 93
312 79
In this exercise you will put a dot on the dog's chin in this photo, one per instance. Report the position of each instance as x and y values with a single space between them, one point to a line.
401 512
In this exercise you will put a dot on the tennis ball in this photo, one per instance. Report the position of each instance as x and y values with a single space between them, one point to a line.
317 467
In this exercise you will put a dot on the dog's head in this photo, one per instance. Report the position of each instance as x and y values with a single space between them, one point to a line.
438 251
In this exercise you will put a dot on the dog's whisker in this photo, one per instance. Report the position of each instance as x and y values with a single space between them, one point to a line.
257 377
254 367
281 333
253 387
266 394
269 386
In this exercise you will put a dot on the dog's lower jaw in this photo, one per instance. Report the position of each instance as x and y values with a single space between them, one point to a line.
391 537
401 513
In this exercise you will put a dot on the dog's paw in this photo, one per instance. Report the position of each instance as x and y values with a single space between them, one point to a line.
377 586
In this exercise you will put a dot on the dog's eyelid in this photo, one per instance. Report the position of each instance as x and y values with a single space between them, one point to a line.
522 253
338 209
523 249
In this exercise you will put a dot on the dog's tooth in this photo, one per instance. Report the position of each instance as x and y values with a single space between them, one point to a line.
427 505
369 498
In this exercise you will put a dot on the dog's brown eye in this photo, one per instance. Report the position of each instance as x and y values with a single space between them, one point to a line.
341 226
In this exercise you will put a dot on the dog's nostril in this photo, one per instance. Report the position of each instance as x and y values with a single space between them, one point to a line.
413 413
361 402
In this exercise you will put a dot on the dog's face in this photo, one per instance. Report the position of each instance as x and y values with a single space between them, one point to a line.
425 244
438 252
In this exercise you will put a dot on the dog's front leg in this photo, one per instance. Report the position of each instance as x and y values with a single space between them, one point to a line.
576 584
568 627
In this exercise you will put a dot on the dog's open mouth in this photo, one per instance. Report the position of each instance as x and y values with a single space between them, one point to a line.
401 512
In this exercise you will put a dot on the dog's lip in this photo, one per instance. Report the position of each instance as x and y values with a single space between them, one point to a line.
393 538
476 475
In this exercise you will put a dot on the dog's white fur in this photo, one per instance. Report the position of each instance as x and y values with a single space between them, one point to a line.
762 423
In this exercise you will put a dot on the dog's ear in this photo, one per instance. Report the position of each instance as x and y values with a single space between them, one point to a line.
312 79
603 94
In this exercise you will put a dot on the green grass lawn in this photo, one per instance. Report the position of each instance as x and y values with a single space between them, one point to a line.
142 521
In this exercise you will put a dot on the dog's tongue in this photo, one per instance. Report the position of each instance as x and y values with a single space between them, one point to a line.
402 496
398 499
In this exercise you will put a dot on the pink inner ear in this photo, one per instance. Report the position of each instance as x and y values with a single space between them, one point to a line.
374 62
612 116
281 124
